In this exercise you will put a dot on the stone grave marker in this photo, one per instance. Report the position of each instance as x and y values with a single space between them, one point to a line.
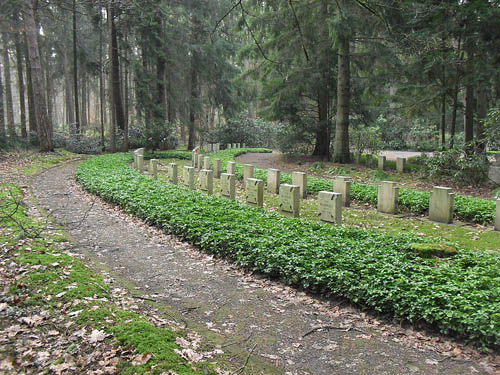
441 205
254 192
199 163
497 216
172 173
140 151
228 185
206 162
140 163
134 154
188 176
207 181
342 185
300 179
289 199
234 145
248 171
273 180
387 200
243 145
217 168
381 162
209 147
217 147
153 168
330 207
400 164
228 146
231 167
238 145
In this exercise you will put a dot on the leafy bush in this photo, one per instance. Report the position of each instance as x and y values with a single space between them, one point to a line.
79 144
458 296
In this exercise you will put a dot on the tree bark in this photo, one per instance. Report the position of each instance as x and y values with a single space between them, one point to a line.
20 85
482 110
48 83
8 87
469 118
443 119
33 126
44 127
454 115
2 112
75 73
101 83
341 147
115 72
193 103
125 94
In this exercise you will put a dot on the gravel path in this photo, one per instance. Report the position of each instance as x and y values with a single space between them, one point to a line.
275 323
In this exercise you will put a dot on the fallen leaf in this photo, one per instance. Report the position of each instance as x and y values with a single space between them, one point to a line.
97 336
141 359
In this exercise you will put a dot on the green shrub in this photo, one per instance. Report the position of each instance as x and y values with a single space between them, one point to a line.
460 296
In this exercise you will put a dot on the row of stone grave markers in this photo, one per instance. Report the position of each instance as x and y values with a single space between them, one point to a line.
329 203
211 147
381 162
235 145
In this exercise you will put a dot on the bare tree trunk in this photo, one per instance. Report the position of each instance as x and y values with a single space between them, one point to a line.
341 147
75 73
68 92
454 115
469 118
33 126
193 103
125 93
2 114
443 120
83 118
48 84
20 84
44 127
115 72
482 110
101 84
8 87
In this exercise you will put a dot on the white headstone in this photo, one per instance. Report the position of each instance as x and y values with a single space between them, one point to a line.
231 167
254 192
300 179
387 200
441 205
172 173
140 151
248 172
342 185
243 145
400 164
289 199
140 163
273 181
207 181
134 154
153 168
206 162
228 146
217 168
330 207
228 185
199 163
188 177
381 162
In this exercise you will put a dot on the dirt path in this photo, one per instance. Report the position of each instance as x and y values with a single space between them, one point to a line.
274 322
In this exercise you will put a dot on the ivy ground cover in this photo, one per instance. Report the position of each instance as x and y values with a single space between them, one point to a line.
459 295
466 208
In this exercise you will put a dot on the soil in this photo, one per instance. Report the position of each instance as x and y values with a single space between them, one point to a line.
302 163
295 333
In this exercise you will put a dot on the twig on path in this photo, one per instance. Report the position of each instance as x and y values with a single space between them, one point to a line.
240 370
331 327
144 298
238 342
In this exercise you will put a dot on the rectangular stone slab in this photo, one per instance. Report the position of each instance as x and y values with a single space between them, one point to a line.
330 207
248 171
342 185
228 185
400 164
381 162
254 192
387 200
206 162
153 168
273 181
300 179
188 176
231 167
217 168
140 163
441 205
199 163
289 199
172 173
207 181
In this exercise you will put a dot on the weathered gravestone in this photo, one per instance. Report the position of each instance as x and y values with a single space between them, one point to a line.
273 180
228 185
238 145
381 162
228 146
153 168
188 177
300 179
400 164
140 163
134 154
243 145
494 170
289 200
210 147
172 173
254 192
199 163
217 147
387 200
330 207
207 181
441 205
342 185
217 168
234 145
140 151
206 162
497 216
231 167
248 171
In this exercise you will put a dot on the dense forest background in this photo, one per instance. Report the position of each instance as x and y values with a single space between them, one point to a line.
315 76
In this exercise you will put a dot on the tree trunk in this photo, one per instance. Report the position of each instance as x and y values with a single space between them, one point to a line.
443 119
454 115
2 114
125 94
101 84
482 111
44 127
33 126
8 87
75 73
115 72
20 84
69 92
469 118
341 147
193 103
48 84
83 117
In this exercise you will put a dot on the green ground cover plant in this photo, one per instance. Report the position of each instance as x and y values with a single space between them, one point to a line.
458 295
467 208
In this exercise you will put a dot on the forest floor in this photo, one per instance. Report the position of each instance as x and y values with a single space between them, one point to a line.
280 329
360 173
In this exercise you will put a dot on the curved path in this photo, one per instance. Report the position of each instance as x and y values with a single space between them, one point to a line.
277 324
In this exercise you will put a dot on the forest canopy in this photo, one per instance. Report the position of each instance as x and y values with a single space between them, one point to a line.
315 76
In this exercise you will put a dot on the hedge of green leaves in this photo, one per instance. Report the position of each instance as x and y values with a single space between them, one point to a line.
458 295
466 208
